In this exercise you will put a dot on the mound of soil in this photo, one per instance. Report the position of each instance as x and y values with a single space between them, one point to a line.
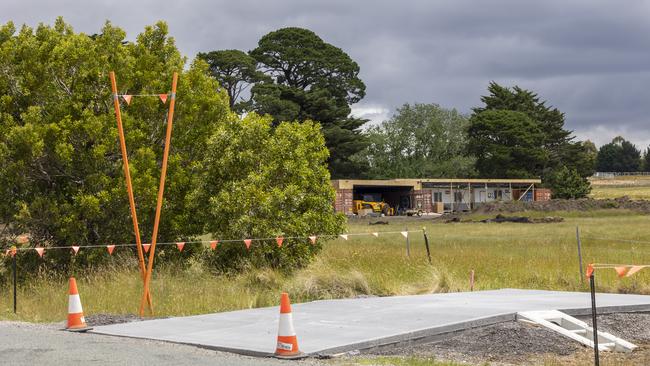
585 204
516 219
523 219
519 343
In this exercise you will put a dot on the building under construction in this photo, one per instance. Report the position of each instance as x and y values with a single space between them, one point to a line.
421 196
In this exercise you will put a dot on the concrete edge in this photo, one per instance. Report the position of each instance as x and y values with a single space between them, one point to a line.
428 335
421 336
425 335
239 351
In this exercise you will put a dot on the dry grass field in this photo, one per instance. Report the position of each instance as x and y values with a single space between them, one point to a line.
537 256
636 187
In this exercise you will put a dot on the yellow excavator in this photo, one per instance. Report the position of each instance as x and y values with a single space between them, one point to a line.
372 203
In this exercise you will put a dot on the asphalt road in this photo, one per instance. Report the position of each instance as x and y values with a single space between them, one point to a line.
46 344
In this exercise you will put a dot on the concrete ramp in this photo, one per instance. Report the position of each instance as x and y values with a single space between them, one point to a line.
334 326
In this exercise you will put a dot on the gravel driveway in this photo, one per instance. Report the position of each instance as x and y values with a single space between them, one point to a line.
45 344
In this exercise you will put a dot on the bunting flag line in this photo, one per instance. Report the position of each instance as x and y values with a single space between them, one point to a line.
40 251
279 241
163 98
127 98
622 270
634 269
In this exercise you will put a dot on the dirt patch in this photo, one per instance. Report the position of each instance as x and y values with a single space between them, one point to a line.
585 204
518 343
516 219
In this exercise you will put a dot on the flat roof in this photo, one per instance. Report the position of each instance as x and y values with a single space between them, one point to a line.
417 183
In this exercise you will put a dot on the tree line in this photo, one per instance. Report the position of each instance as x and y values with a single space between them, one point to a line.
294 75
258 135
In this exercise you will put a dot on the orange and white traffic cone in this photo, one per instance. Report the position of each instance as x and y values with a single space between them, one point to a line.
76 320
287 346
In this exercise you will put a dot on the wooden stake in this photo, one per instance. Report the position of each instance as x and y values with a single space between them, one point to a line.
471 280
129 188
582 275
161 190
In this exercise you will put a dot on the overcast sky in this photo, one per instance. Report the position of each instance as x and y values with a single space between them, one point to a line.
590 59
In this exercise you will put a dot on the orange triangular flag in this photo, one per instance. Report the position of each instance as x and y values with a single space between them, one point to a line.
127 98
76 249
634 270
313 239
40 251
110 249
163 98
405 234
213 244
621 271
590 270
146 247
376 234
279 240
248 243
344 236
180 246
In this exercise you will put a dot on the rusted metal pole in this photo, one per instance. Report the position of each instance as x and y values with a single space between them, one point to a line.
592 288
14 267
426 243
129 188
161 191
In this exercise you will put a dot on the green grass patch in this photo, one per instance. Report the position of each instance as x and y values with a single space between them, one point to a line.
507 255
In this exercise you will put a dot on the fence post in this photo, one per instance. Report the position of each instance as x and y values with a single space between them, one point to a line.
426 243
471 280
408 243
582 276
592 286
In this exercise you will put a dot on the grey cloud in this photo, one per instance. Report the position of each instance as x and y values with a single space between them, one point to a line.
591 59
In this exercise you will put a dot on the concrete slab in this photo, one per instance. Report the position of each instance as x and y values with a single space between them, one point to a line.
334 326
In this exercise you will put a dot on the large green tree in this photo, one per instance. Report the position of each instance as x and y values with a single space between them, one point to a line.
619 155
419 141
560 149
61 171
312 80
506 144
235 71
61 176
287 194
646 160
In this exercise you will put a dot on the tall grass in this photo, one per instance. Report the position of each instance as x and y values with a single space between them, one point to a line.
539 256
